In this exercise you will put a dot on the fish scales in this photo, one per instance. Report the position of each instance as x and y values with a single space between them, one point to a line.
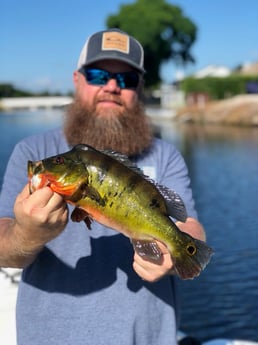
104 187
131 191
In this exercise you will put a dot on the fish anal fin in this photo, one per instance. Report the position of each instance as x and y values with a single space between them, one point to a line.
147 249
78 215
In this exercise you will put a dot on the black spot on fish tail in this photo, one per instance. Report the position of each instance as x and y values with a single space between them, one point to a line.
192 259
191 249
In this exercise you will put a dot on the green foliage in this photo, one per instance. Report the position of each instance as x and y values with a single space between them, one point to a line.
217 88
163 30
7 90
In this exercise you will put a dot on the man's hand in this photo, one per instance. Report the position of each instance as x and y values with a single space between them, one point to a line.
39 218
153 271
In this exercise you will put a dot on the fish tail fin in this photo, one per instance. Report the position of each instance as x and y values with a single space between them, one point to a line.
189 263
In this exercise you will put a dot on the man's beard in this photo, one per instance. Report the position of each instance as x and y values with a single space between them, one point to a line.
128 132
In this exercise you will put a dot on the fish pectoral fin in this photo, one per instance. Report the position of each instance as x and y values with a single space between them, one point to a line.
78 215
84 191
147 249
93 194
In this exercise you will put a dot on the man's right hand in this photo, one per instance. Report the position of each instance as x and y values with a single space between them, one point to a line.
39 218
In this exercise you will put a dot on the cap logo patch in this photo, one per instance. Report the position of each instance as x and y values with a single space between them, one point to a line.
115 41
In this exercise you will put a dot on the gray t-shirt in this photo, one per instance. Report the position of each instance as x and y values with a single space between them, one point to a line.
82 289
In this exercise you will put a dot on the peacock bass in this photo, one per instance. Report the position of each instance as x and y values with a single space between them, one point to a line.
107 187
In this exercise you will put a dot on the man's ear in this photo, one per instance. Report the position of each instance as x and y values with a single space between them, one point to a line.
76 77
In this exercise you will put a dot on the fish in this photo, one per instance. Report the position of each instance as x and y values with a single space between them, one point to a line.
107 187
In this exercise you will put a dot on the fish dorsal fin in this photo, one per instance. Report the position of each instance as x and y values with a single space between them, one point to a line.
174 204
121 158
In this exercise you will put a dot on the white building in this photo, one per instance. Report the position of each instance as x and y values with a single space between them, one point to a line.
213 71
34 102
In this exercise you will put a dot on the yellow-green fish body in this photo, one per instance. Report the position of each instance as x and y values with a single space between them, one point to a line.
106 187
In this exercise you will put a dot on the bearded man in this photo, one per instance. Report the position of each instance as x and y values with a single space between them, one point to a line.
89 287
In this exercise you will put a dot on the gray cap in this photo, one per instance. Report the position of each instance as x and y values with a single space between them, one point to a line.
112 44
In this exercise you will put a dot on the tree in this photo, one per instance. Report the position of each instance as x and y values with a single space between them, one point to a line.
163 30
8 90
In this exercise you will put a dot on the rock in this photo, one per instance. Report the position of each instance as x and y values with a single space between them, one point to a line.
238 110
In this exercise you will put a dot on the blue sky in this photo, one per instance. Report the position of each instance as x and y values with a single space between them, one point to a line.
40 41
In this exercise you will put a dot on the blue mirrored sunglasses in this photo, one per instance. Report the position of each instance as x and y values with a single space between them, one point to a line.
125 80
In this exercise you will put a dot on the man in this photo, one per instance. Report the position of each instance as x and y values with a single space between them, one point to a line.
88 287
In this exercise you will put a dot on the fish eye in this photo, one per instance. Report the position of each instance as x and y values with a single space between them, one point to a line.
59 160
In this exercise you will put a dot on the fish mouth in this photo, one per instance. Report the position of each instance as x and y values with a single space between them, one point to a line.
34 168
30 169
39 177
36 178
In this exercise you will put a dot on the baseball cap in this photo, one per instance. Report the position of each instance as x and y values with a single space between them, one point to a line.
112 44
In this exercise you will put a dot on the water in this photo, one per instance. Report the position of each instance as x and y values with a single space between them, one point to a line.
223 301
222 161
17 125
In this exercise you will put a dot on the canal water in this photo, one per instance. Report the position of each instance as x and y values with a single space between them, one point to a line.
223 166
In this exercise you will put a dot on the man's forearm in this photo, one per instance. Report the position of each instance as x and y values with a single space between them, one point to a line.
13 252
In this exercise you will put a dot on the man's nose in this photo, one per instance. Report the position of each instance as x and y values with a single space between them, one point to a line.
112 86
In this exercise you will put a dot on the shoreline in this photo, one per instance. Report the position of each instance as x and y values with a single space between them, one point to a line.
241 110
